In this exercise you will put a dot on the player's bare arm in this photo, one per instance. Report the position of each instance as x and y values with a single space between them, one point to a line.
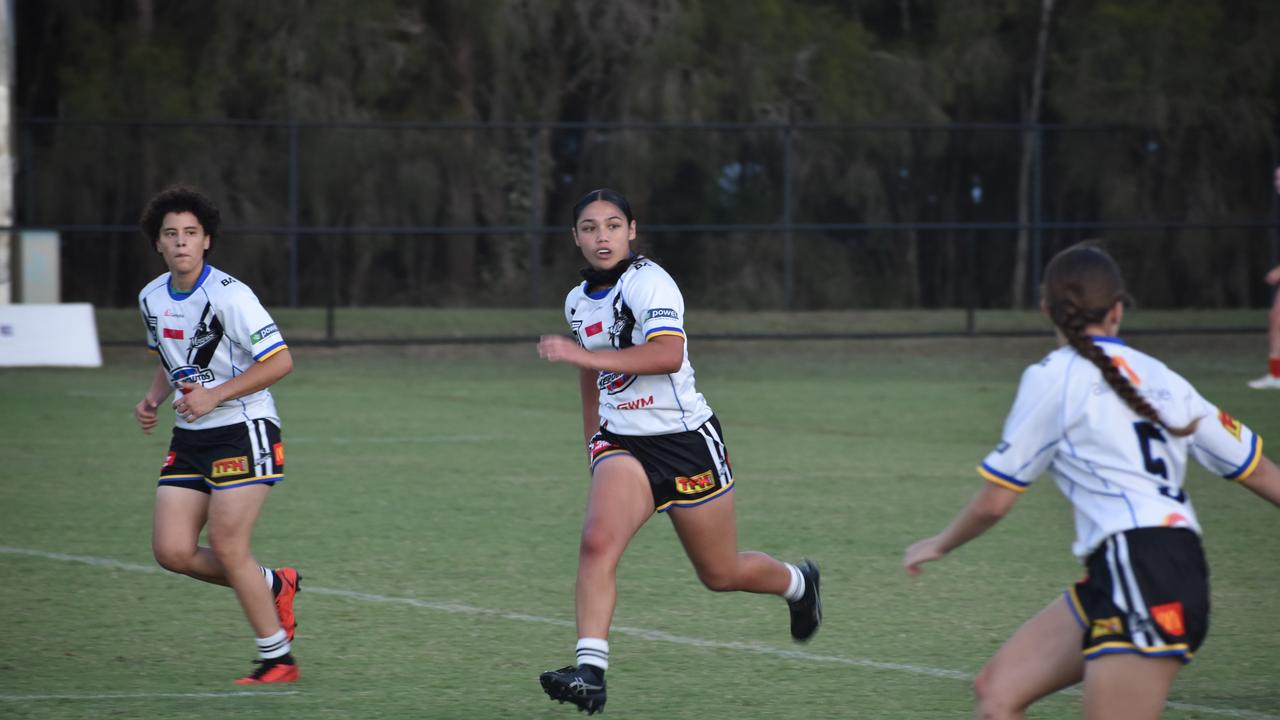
1265 481
145 411
661 355
590 391
986 508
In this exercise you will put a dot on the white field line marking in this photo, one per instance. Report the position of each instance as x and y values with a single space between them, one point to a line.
644 634
146 696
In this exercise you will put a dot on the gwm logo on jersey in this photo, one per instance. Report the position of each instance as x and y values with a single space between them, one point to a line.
190 374
696 484
227 467
636 404
1231 424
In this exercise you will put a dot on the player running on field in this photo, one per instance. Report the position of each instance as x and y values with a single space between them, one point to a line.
1114 427
652 443
219 347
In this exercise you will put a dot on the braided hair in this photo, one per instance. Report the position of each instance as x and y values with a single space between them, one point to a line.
1081 285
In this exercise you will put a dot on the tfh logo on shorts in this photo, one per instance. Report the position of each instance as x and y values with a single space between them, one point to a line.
230 466
696 484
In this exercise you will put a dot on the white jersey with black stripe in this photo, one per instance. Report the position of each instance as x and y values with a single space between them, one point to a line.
210 335
645 303
1119 470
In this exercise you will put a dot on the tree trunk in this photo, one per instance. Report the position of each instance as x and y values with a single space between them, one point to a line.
1026 155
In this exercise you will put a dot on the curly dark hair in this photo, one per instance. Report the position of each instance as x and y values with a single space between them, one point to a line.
180 198
1081 285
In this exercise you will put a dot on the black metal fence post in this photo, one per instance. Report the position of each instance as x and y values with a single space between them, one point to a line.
293 213
788 241
1037 213
535 216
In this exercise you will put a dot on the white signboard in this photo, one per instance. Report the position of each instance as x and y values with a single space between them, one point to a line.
37 335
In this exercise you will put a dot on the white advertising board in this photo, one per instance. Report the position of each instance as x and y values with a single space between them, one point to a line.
41 335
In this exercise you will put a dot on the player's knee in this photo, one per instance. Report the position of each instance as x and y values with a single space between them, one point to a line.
177 560
992 703
229 550
598 544
718 579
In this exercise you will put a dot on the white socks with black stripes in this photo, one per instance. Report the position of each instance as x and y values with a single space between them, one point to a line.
595 652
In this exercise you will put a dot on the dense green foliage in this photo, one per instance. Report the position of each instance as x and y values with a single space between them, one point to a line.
1156 112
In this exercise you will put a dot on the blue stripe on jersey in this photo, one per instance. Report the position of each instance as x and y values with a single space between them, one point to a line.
676 330
1049 446
178 295
268 350
1107 339
597 295
1073 604
1006 478
1248 463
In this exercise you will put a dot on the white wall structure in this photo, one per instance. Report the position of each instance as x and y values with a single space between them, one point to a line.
7 164
39 271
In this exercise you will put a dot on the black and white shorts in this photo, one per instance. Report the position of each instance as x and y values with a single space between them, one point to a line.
684 468
1147 592
224 457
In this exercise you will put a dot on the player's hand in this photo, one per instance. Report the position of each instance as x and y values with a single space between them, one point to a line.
194 401
921 552
1273 277
558 348
145 413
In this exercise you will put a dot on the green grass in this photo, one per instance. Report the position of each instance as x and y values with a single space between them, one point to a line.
450 481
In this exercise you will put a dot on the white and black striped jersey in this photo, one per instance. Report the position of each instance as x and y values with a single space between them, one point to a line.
644 304
209 336
1119 470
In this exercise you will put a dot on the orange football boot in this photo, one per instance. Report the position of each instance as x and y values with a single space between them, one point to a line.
270 671
290 585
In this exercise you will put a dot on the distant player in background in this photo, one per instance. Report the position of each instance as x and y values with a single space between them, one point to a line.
219 347
652 444
1272 379
1114 426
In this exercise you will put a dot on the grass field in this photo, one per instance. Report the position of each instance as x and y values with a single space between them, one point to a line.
434 498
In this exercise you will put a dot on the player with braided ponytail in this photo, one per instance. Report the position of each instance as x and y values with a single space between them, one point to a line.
1080 289
1114 428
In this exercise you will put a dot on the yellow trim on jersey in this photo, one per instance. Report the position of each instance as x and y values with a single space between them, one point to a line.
273 352
1000 481
243 481
695 501
1257 457
1177 647
655 334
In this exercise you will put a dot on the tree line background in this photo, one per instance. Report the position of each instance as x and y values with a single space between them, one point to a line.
912 144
